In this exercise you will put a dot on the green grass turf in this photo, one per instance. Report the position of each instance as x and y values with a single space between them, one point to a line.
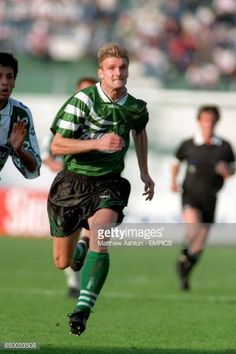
140 310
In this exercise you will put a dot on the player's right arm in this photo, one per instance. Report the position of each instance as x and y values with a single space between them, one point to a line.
180 156
174 174
69 146
73 118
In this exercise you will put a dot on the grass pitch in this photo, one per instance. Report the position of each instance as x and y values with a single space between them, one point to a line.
140 310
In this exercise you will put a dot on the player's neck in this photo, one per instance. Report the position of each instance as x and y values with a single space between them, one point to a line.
114 94
207 138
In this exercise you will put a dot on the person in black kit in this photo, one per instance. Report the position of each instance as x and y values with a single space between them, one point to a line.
210 160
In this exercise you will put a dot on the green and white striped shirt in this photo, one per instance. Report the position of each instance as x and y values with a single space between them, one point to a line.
12 113
90 114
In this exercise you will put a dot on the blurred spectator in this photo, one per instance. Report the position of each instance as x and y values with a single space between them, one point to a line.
204 76
37 40
191 37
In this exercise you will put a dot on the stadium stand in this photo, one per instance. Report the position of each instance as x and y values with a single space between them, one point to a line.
183 44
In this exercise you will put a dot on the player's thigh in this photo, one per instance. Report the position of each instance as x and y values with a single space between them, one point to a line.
103 219
191 215
63 249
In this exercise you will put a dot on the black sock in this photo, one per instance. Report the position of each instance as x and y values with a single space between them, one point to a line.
189 258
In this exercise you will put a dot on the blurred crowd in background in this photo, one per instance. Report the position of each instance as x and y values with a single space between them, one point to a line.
185 43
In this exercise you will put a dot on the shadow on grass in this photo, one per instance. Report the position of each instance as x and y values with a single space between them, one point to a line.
131 350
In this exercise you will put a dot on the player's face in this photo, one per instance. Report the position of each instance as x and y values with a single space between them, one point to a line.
207 122
113 74
7 83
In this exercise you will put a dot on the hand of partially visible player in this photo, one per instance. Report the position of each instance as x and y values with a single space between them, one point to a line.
223 169
111 142
18 135
174 187
149 186
53 165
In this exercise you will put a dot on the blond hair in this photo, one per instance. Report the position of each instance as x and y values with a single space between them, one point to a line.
112 50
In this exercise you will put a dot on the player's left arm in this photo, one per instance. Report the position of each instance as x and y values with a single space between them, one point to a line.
141 148
24 146
17 138
226 167
48 159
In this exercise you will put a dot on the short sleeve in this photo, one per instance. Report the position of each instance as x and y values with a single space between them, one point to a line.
180 153
67 120
229 154
137 116
141 122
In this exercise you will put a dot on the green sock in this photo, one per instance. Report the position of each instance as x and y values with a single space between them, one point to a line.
93 277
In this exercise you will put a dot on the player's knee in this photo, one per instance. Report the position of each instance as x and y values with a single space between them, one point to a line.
61 263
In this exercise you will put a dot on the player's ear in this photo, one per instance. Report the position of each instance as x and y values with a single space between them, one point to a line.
100 73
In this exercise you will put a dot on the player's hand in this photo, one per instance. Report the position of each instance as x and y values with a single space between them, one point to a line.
149 186
18 135
174 187
222 168
54 165
111 142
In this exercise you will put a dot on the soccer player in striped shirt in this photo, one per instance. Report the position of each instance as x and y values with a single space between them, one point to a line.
17 135
92 131
55 164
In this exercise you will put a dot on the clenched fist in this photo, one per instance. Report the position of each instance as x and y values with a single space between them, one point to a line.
110 142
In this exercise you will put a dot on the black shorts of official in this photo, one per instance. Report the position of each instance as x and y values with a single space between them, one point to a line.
74 198
205 204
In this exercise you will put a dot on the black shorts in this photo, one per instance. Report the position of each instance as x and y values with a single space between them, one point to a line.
205 204
74 198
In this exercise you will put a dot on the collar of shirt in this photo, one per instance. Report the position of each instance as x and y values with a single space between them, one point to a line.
107 99
6 110
198 139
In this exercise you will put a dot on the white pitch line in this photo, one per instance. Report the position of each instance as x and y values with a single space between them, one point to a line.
173 297
129 296
32 291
